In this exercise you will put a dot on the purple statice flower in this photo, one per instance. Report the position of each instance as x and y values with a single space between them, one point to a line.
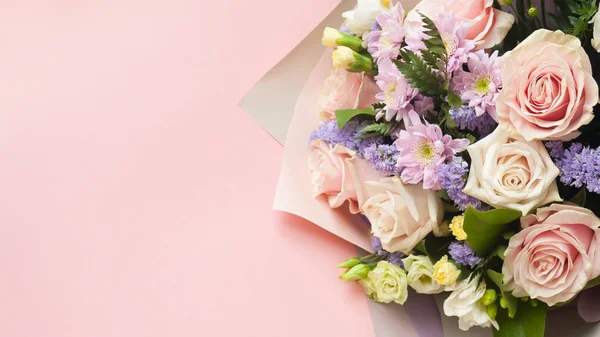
466 119
348 136
463 255
397 95
344 29
579 165
396 258
452 179
423 148
376 244
385 42
481 84
383 158
453 35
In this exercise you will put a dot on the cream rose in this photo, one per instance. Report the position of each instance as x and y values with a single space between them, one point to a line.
487 26
420 275
465 303
401 215
346 90
555 254
389 283
507 172
549 91
339 175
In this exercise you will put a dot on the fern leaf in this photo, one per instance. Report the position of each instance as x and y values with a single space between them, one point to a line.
419 74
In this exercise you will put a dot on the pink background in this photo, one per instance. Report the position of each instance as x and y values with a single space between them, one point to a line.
135 195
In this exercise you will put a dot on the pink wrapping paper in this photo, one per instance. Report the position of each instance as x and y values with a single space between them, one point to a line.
294 188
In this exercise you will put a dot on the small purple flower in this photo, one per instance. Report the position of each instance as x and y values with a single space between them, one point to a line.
384 41
454 35
463 255
396 258
397 95
579 165
467 119
452 179
383 158
423 149
376 244
481 84
348 136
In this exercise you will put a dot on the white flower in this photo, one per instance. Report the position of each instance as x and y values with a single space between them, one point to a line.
509 172
596 39
465 303
389 283
361 18
420 273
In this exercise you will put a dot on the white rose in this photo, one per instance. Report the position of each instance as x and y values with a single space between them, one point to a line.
389 283
401 215
465 303
420 273
507 172
596 39
361 18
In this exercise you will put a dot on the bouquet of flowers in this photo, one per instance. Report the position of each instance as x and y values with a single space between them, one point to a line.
464 133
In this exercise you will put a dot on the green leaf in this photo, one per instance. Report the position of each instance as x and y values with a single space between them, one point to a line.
376 129
419 74
484 229
343 116
511 302
420 247
580 197
454 99
431 59
436 247
592 283
529 321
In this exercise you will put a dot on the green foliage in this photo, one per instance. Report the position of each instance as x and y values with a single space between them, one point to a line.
419 74
484 229
580 198
574 17
454 99
511 301
343 116
593 283
435 44
436 247
376 129
530 321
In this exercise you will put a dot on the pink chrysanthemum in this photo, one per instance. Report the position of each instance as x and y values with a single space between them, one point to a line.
397 95
453 35
481 84
385 43
423 149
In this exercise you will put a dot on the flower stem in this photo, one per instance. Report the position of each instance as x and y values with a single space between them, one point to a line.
543 5
521 18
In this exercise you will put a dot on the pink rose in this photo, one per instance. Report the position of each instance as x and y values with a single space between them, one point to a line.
555 254
487 26
346 90
549 91
338 174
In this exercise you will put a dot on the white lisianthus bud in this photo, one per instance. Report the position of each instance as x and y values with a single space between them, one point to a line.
346 58
333 38
420 275
389 283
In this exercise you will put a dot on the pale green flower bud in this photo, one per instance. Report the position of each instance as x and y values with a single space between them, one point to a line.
502 303
505 2
333 38
532 12
358 272
489 297
346 58
351 262
492 310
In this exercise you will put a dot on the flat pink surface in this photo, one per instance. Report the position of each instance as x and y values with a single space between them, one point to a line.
135 195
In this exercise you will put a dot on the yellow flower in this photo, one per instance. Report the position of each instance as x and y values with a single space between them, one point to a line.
456 226
445 272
